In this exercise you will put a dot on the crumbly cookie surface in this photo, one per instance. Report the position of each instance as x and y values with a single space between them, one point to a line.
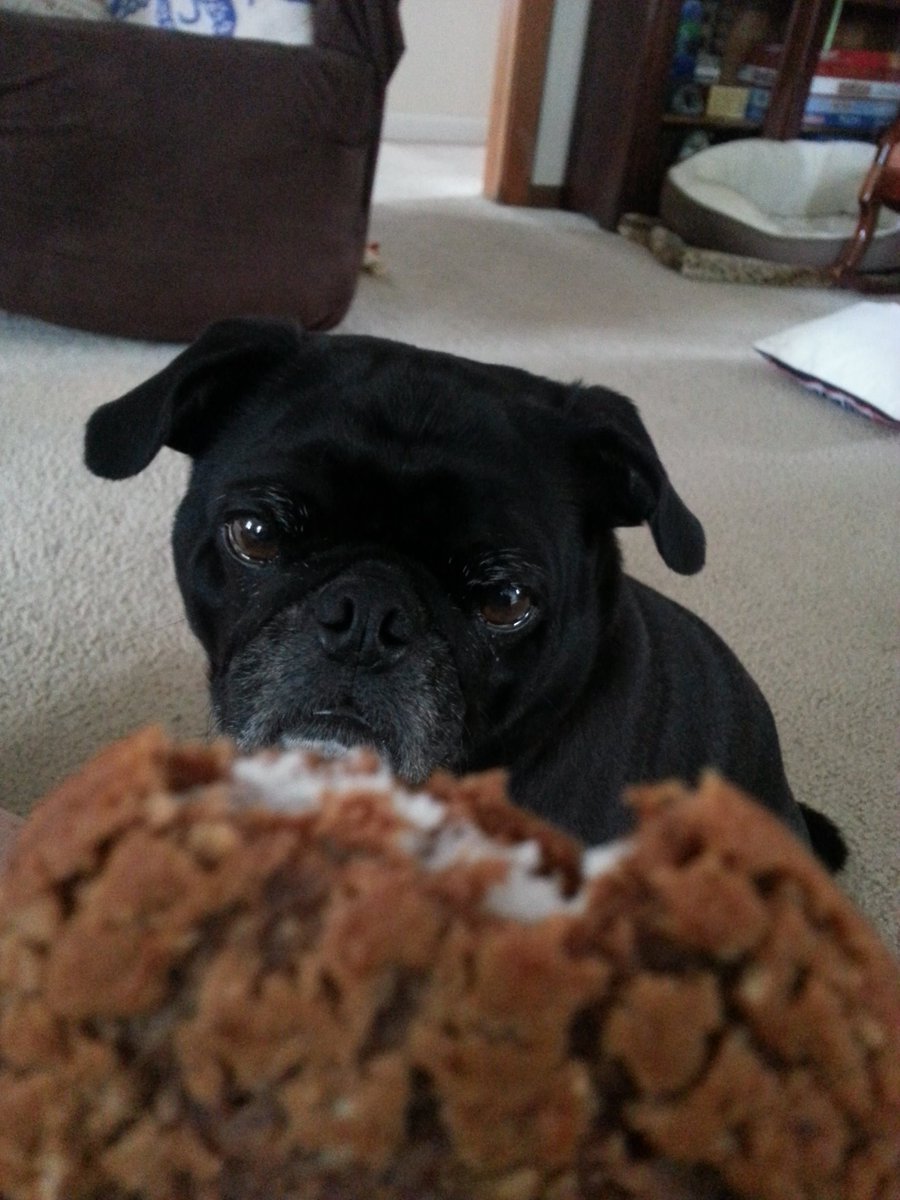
203 998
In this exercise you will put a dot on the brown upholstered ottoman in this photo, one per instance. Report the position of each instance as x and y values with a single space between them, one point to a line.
152 182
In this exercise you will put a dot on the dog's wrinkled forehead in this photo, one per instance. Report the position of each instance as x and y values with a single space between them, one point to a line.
389 445
263 391
405 409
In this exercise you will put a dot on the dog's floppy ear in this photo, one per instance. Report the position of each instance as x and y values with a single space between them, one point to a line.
615 449
124 436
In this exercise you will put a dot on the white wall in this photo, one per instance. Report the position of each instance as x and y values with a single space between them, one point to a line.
441 90
564 54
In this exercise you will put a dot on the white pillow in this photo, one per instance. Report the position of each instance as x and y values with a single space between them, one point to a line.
288 21
851 356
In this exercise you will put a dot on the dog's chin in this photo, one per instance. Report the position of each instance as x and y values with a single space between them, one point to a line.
281 689
334 733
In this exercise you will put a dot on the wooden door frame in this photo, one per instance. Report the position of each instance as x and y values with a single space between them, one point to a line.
517 93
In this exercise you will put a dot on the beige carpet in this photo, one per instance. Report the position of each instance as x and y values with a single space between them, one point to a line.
799 499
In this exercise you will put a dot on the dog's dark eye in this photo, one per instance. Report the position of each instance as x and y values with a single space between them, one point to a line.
505 605
252 539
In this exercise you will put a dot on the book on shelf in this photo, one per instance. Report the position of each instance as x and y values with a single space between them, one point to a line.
827 85
831 111
858 89
762 64
860 122
825 105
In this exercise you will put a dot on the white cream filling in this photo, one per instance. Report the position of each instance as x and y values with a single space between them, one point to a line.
296 780
286 780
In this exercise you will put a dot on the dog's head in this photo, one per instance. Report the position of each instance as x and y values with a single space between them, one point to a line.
389 545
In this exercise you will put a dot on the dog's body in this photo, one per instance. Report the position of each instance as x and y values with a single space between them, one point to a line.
387 545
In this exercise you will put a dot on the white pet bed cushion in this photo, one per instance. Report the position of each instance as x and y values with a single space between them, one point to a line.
790 202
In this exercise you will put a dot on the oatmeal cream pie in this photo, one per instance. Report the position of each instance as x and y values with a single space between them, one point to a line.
289 977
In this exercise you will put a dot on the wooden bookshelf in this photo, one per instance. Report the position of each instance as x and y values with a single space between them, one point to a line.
625 138
707 122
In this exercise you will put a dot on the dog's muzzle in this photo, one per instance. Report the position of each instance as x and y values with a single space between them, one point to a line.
357 662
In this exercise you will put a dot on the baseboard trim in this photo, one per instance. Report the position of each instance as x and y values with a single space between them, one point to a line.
545 195
412 127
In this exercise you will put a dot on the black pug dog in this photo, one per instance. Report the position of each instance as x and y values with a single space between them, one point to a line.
392 546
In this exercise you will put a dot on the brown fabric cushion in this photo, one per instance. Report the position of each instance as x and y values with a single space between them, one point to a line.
152 182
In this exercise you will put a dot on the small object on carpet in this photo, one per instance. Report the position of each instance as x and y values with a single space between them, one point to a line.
715 266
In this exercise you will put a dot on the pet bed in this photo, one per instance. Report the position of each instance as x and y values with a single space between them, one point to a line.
791 202
152 182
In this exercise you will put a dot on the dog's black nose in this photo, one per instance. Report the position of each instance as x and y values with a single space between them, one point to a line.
369 618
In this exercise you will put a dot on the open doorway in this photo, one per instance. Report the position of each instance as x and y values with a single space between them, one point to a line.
536 78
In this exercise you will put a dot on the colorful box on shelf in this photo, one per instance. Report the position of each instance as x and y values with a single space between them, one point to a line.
832 111
856 89
761 67
841 113
727 103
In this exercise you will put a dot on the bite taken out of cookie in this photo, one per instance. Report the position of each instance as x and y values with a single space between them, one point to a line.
290 977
